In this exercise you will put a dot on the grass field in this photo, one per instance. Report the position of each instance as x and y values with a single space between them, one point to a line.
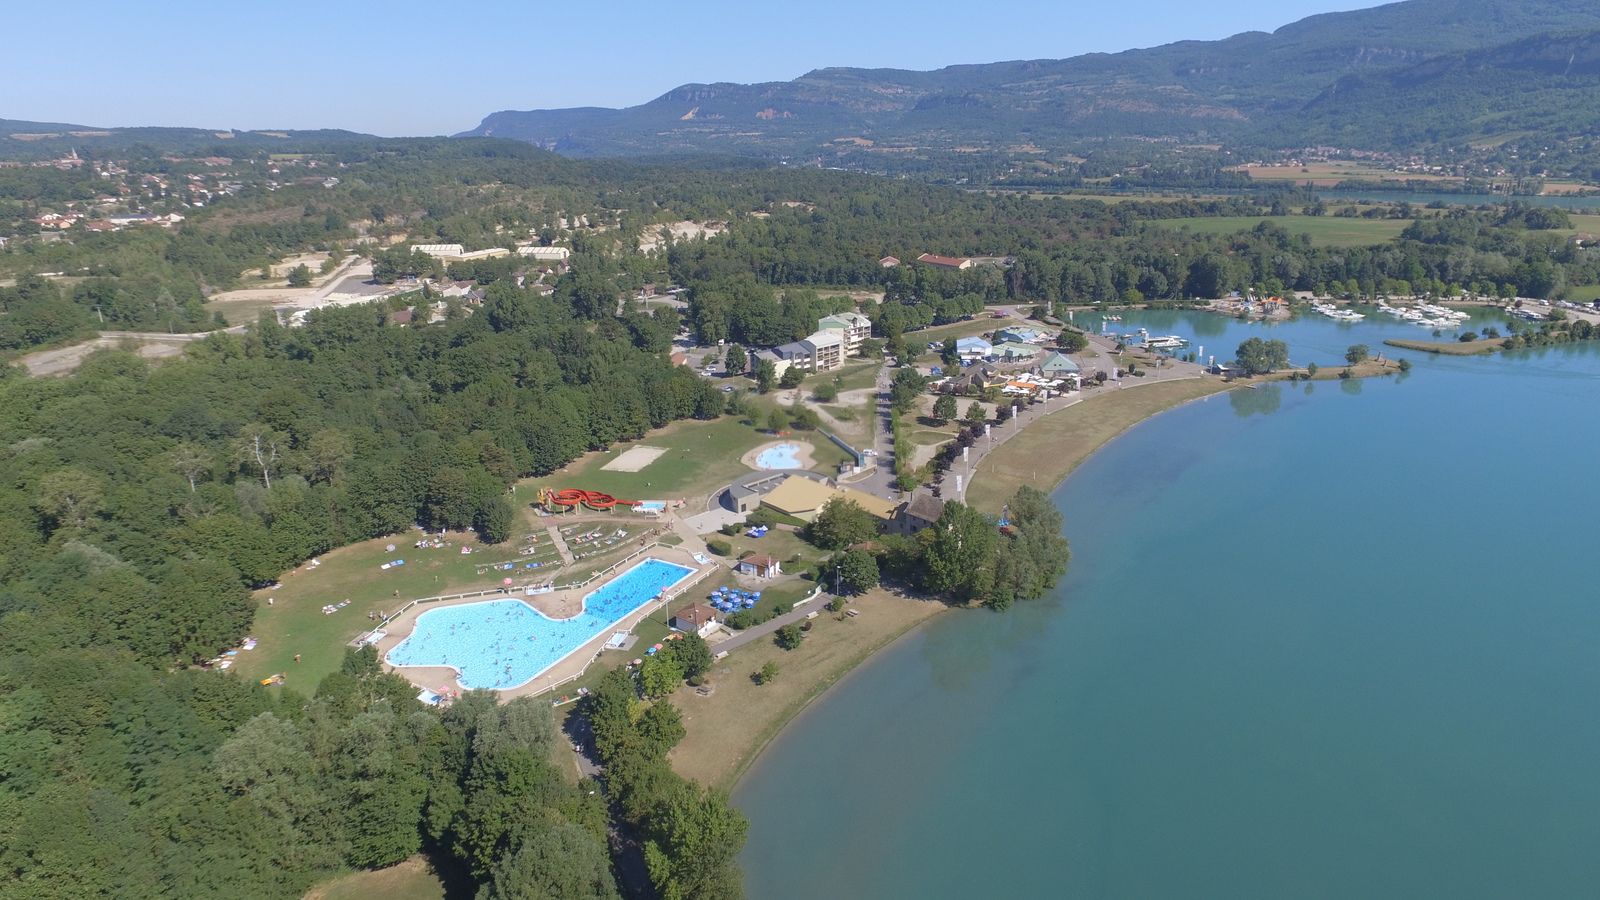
1585 293
1327 174
1328 231
1586 223
1049 449
410 880
729 728
700 457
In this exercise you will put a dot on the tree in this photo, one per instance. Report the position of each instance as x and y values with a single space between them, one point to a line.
944 408
1258 357
191 462
1071 341
1311 370
1405 364
907 386
949 354
326 453
777 420
258 449
693 653
660 674
768 672
69 497
960 555
842 522
975 415
792 377
300 276
564 861
493 519
736 361
858 572
766 375
447 501
789 637
1357 354
827 392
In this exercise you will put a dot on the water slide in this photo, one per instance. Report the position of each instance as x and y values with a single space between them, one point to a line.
570 497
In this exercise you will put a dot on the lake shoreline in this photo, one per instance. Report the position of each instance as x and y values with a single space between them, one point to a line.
1165 397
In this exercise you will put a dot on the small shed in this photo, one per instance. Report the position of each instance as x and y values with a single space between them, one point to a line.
696 617
760 566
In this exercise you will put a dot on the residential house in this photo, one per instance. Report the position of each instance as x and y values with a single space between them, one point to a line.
786 355
760 566
678 359
921 511
696 617
854 327
888 262
827 350
973 348
945 262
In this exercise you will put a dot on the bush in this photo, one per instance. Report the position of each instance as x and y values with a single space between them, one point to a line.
826 392
767 673
789 637
720 547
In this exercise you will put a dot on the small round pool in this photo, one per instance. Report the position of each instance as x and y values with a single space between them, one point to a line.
783 456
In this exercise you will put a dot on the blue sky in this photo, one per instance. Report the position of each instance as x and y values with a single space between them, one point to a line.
408 68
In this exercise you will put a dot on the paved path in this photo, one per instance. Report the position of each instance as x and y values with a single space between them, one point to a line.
765 628
561 545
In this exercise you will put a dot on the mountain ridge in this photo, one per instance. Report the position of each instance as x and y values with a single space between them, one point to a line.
1187 90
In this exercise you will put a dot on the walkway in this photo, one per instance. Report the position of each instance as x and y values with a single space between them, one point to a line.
765 628
561 545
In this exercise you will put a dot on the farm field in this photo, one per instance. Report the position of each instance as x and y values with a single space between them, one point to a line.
1327 231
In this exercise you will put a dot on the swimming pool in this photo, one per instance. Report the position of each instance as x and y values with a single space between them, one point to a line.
783 456
501 644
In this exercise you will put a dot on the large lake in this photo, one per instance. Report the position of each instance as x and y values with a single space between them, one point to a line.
1338 641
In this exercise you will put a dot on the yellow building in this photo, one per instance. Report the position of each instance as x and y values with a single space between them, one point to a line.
804 498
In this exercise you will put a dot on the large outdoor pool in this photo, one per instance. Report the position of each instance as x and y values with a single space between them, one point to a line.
501 644
783 456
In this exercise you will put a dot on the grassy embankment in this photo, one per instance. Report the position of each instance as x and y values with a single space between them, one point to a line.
727 730
1048 449
410 880
1450 348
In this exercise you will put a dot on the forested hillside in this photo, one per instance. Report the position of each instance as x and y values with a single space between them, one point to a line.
1248 88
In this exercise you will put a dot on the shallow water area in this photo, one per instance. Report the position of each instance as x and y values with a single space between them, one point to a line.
1326 640
783 456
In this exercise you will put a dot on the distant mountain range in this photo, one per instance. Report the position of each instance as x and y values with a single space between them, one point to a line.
22 139
1391 77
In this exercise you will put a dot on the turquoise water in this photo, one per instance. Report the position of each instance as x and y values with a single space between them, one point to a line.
1330 641
783 456
505 643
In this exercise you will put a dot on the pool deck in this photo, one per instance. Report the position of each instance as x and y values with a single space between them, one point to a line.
557 605
805 455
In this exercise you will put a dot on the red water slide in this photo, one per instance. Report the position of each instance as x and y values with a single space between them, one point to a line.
592 499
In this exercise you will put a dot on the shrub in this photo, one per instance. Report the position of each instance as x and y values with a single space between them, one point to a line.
767 673
720 547
789 637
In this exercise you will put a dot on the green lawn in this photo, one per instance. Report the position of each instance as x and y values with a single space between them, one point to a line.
1585 293
1327 231
700 457
857 374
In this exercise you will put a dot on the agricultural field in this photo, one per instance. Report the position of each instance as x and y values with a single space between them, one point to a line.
1327 231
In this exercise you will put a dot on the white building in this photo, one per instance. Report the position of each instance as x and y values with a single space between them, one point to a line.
853 327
